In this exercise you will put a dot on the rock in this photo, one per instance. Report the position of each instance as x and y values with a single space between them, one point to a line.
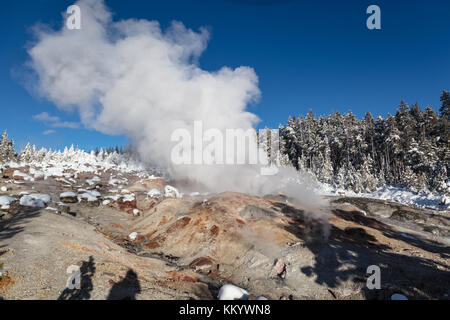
68 197
127 203
20 176
63 207
90 203
202 264
279 269
232 292
8 173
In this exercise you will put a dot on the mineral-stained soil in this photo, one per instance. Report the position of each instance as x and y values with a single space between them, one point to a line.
186 248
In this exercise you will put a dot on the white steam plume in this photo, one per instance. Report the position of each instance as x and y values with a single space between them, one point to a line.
130 77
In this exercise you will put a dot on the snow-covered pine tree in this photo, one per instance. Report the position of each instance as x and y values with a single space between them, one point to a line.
26 154
7 152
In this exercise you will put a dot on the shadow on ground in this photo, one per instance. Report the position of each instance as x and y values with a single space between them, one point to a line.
83 292
347 253
126 289
13 224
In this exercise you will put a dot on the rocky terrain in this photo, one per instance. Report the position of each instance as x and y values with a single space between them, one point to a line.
135 236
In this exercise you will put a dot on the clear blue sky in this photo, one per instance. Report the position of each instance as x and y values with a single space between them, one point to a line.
307 54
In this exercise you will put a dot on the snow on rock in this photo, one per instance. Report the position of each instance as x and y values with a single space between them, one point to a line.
68 197
136 212
35 200
128 197
232 292
261 298
5 202
3 189
117 181
154 193
114 197
89 196
133 236
171 192
123 197
398 296
106 202
67 194
18 175
37 174
93 180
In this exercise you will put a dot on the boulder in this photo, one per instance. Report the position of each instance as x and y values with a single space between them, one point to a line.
68 197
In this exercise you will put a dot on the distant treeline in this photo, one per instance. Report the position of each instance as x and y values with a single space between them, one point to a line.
410 149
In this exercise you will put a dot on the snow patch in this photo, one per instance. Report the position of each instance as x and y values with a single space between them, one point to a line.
36 200
232 292
6 201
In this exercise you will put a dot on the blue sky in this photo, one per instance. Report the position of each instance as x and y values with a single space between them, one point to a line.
307 54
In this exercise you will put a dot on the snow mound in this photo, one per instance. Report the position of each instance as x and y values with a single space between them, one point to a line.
154 193
89 195
172 192
132 236
5 202
232 292
36 200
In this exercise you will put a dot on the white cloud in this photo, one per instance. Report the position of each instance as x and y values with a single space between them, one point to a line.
65 124
45 117
54 121
47 132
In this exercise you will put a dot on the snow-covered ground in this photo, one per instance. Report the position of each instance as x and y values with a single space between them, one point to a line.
400 195
68 164
65 166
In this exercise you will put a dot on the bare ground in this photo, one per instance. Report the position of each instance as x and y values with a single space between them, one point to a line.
186 248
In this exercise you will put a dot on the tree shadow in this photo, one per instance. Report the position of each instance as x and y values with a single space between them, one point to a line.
126 289
12 225
347 253
87 271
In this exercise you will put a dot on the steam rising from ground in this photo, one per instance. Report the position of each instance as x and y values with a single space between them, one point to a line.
130 77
